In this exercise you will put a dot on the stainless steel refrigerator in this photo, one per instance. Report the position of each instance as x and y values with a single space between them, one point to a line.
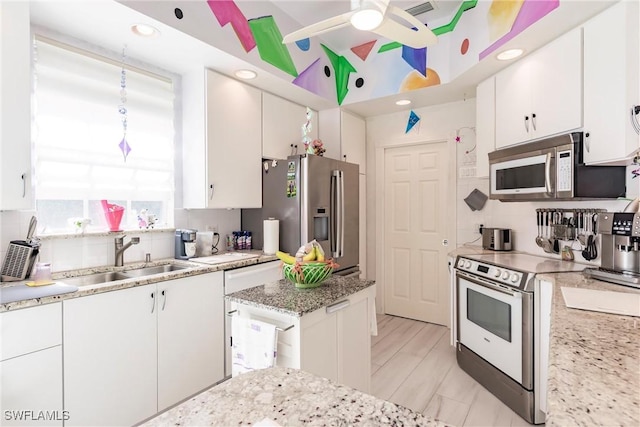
313 197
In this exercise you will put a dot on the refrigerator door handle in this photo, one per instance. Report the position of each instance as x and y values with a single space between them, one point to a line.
341 251
333 237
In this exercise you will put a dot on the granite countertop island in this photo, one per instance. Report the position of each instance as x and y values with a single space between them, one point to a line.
282 296
594 361
288 397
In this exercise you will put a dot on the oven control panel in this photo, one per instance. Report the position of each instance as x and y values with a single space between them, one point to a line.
505 276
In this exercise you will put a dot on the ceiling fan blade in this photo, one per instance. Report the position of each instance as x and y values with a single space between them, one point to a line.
319 28
393 30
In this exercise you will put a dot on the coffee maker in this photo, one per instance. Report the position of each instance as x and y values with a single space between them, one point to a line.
620 233
185 243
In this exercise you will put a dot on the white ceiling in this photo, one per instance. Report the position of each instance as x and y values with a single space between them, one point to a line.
106 23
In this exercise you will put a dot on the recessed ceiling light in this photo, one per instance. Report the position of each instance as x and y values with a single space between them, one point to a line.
246 74
144 30
403 102
509 54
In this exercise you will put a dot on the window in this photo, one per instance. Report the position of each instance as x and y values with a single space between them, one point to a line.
76 135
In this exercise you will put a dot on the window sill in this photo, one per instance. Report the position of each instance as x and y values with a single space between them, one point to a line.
104 233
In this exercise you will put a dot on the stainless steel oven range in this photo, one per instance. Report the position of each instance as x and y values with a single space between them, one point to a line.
497 319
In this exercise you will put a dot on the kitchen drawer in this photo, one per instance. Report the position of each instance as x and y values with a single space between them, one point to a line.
30 329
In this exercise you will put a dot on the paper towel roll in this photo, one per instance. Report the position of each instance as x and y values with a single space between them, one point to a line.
271 236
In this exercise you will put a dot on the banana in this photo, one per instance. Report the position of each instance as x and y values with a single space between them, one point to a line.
319 256
285 257
311 256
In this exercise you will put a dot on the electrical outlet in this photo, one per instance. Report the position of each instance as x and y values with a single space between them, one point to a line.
213 228
478 227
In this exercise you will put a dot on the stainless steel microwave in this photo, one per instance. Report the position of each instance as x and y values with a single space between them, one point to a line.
552 169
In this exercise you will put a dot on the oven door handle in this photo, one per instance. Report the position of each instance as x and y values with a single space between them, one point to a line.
490 285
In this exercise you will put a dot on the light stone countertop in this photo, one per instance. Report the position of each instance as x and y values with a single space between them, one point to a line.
289 397
193 269
282 296
594 361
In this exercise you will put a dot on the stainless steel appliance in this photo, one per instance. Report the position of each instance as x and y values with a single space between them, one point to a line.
620 248
313 197
185 243
497 239
552 169
497 322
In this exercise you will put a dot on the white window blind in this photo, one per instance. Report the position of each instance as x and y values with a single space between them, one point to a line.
77 130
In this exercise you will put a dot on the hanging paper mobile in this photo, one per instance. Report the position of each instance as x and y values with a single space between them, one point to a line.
122 109
413 119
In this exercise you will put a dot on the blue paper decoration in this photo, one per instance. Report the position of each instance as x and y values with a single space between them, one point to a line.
413 119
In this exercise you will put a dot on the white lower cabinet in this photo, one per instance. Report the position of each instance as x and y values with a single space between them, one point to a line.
31 366
333 342
131 353
110 362
190 336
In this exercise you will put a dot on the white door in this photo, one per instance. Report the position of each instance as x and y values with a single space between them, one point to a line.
415 225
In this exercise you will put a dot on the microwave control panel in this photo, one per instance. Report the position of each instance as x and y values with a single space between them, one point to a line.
564 168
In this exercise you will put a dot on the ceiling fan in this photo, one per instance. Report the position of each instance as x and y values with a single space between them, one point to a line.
375 16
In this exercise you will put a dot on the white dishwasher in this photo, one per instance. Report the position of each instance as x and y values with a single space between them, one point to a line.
237 280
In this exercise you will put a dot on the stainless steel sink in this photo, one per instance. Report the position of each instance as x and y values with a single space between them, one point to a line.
147 271
94 279
112 276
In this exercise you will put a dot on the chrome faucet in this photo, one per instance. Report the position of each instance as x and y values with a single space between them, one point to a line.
121 247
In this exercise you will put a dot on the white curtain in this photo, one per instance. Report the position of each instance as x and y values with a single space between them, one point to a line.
78 127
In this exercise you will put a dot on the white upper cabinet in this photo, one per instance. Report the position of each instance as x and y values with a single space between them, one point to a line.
485 125
15 107
344 136
611 84
222 144
541 95
282 122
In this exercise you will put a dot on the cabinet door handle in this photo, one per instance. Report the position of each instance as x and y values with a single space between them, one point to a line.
526 123
24 185
210 191
587 144
164 299
338 306
533 120
153 301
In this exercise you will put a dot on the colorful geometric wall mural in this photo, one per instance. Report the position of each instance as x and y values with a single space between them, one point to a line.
366 71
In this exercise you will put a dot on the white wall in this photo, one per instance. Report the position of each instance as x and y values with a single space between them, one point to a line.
75 252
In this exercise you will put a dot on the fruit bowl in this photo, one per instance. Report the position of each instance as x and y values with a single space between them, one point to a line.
307 274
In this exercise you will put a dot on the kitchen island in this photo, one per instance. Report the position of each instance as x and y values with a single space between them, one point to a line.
324 330
594 361
289 397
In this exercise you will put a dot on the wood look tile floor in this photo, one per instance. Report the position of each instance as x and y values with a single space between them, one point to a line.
413 364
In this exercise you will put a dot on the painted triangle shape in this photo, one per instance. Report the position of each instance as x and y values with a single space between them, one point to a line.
363 50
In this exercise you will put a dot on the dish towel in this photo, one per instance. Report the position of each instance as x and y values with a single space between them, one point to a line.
254 345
